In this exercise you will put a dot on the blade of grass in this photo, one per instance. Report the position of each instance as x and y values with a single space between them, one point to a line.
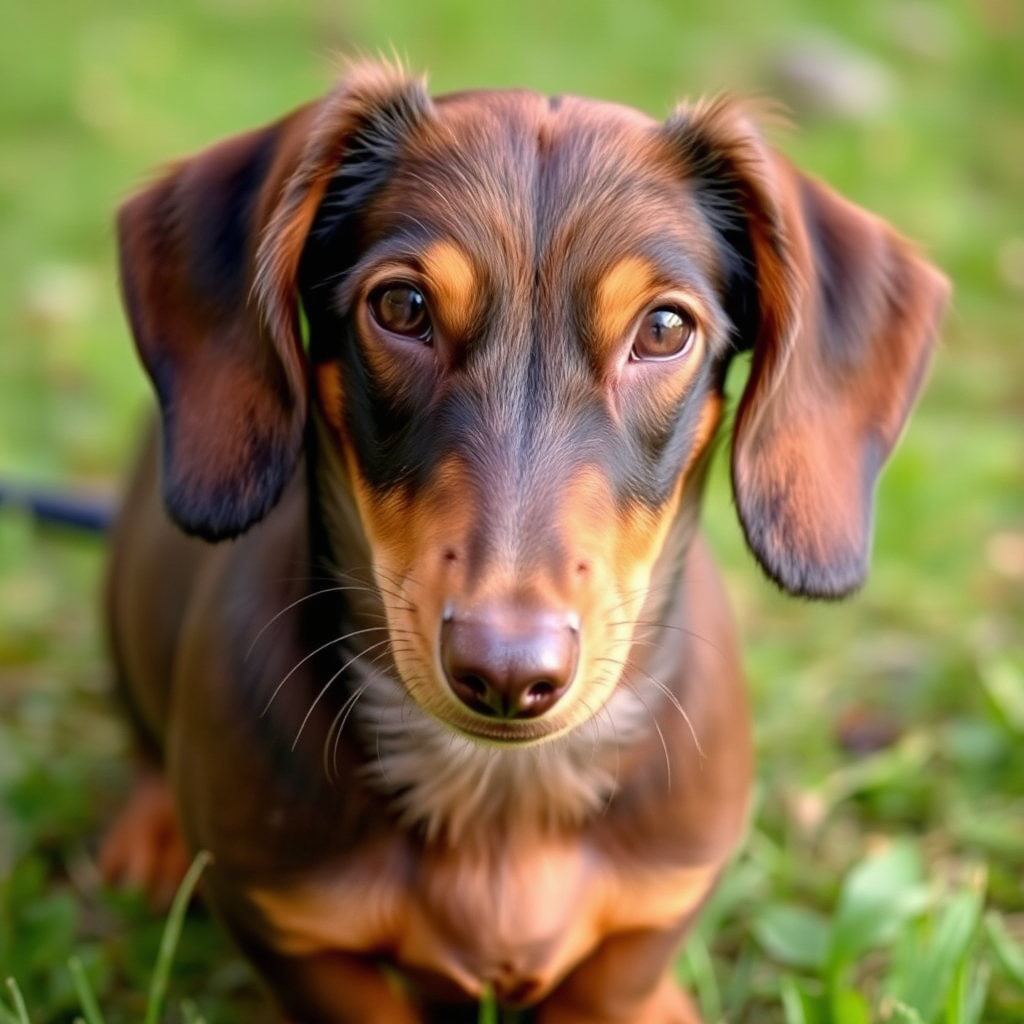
967 999
190 1013
488 1009
1009 955
702 972
849 1007
792 1004
172 932
948 948
902 1012
86 996
20 1010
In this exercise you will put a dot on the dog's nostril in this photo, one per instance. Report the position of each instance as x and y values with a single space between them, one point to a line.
474 685
506 662
541 690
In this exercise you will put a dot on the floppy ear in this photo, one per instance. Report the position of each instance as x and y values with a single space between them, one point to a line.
841 314
209 257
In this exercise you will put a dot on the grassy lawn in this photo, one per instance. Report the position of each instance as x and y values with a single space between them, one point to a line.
876 884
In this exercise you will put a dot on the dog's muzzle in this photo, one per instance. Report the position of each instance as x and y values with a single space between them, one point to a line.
509 662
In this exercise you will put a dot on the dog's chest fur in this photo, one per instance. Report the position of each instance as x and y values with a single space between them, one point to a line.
491 884
514 914
457 791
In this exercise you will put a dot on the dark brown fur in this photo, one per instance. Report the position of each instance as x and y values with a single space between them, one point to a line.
521 464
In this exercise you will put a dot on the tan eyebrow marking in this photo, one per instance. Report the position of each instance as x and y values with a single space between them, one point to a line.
617 296
453 282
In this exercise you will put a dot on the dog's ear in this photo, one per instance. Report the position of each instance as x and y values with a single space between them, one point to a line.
209 258
841 314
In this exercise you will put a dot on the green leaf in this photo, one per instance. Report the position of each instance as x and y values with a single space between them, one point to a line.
190 1013
1003 678
801 1005
849 1007
700 976
793 1003
905 1014
48 928
969 994
878 897
936 968
1009 954
887 768
794 936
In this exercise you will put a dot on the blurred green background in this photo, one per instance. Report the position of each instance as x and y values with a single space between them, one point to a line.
891 724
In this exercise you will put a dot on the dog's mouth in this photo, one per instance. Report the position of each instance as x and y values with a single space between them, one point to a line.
504 734
506 675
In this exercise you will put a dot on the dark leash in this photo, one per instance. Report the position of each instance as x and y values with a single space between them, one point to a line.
87 513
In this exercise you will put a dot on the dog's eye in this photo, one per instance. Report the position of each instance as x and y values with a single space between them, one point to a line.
664 333
401 309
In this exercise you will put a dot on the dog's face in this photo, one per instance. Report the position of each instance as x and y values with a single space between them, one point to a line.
520 315
518 360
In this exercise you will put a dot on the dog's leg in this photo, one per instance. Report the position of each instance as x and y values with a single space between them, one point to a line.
627 980
144 847
668 1005
447 1013
330 988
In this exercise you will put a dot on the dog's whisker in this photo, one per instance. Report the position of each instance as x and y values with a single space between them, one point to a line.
410 689
323 647
376 589
665 625
327 686
594 730
331 769
380 760
289 607
639 592
616 744
657 728
631 641
669 695
343 716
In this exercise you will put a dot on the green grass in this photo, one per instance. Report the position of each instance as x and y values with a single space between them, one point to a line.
884 886
91 1012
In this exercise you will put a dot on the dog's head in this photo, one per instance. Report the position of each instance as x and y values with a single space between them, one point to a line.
520 314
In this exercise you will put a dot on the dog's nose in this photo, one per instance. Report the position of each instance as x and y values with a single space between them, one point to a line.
509 663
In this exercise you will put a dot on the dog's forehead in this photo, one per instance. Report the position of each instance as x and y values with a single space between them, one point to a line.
533 148
520 176
523 108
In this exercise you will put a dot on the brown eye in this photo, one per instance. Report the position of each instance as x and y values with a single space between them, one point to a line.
401 309
664 334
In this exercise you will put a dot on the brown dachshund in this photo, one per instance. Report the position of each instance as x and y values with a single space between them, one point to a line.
455 700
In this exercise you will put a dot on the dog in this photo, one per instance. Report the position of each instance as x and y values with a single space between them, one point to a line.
408 597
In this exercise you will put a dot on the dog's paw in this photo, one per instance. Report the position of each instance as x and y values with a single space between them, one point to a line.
677 1007
668 1005
144 848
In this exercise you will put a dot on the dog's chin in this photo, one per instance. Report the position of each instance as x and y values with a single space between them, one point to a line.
504 732
491 733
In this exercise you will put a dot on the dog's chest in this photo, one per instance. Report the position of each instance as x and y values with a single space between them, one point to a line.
515 917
